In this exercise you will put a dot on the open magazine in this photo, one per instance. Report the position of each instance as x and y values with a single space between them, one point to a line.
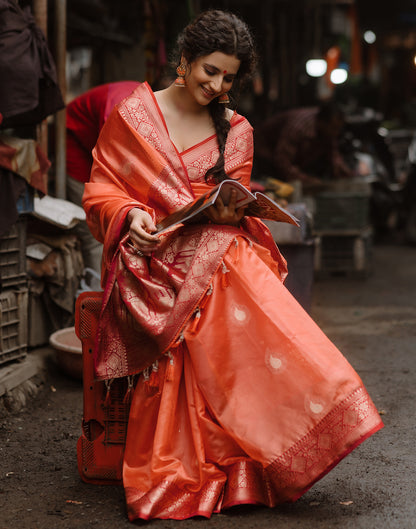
258 205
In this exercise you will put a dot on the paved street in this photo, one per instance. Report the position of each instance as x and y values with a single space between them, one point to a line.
372 321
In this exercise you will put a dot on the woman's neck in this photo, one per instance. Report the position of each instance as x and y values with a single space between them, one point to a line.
180 100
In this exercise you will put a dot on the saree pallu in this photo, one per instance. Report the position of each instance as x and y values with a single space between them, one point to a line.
240 397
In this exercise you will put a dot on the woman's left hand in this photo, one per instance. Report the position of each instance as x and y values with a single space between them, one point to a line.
230 214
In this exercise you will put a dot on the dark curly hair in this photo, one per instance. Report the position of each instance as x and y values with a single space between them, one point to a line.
212 31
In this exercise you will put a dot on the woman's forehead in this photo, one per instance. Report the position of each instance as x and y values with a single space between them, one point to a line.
221 61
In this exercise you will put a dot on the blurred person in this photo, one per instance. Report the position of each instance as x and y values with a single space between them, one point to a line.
85 117
301 144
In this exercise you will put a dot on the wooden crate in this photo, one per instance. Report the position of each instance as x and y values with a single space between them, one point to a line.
13 324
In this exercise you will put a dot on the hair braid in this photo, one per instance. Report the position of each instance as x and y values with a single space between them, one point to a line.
222 126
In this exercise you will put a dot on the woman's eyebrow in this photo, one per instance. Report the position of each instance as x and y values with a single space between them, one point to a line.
219 69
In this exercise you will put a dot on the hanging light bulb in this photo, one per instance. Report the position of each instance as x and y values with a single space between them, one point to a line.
369 37
339 75
316 67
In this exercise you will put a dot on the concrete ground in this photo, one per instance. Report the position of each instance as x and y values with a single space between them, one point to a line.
373 321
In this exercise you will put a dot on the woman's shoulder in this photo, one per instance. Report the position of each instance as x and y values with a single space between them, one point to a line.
143 93
137 106
238 119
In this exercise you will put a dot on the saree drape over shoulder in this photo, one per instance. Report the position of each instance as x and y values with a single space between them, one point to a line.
240 397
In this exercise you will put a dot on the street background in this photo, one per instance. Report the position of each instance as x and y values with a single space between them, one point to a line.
372 321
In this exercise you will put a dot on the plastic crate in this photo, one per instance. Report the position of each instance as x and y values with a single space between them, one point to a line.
13 324
13 256
341 211
100 447
346 254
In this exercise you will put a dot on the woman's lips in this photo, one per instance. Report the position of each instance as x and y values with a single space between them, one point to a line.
208 93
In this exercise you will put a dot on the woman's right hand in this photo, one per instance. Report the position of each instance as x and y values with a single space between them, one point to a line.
219 213
140 231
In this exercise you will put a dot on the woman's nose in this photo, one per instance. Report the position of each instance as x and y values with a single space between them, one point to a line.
216 84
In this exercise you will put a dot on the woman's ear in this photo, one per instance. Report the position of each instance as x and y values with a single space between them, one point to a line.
185 61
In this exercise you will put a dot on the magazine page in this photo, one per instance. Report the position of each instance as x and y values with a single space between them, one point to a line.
266 208
194 209
243 194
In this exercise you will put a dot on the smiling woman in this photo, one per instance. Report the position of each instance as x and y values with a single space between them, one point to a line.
238 396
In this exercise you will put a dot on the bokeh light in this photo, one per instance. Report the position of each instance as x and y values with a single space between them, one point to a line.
316 67
370 37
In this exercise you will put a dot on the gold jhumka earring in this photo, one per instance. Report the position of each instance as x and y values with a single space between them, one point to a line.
181 71
224 99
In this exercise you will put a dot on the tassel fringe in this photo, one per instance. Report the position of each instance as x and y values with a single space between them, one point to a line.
225 281
129 392
107 395
169 368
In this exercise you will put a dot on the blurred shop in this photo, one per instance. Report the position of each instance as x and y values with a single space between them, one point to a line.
358 53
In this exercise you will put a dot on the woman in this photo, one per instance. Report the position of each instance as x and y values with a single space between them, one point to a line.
240 397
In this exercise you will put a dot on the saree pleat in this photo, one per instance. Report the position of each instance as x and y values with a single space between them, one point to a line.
258 405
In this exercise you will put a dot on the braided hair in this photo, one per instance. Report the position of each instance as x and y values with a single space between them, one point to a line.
212 31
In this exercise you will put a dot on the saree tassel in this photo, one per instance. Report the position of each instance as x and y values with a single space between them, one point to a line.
205 299
129 392
180 339
237 250
107 395
194 325
169 367
146 378
225 281
153 381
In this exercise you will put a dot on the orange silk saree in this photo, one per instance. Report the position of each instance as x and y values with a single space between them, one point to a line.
240 397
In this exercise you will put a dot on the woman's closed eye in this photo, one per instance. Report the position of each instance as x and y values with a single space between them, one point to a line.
227 78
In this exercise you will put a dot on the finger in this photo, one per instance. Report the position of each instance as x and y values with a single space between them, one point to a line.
219 204
233 201
211 213
139 231
148 224
144 244
148 237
